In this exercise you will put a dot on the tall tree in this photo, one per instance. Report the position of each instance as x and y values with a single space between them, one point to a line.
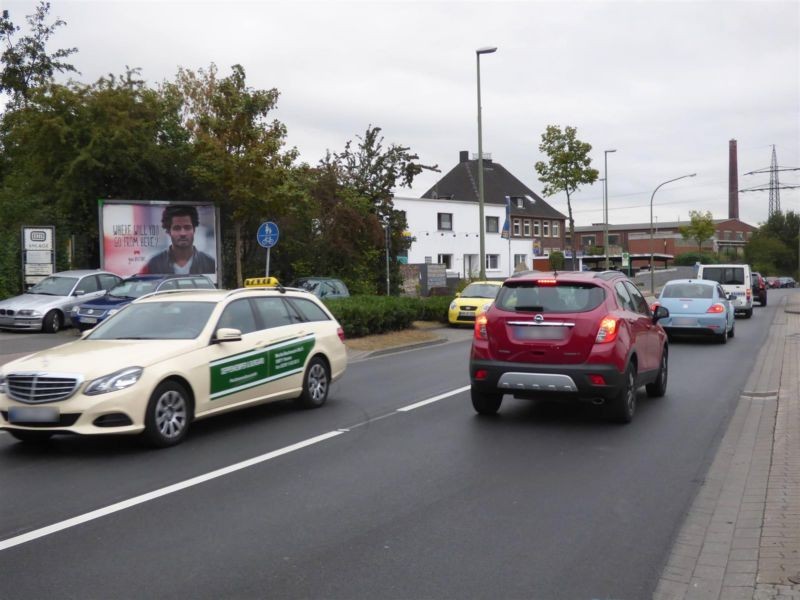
26 63
374 173
239 161
700 227
568 167
775 244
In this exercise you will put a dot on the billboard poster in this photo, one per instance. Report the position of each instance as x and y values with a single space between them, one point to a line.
158 237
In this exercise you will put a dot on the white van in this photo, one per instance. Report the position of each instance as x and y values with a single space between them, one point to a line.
734 279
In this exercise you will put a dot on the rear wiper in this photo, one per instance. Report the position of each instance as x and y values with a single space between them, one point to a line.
530 308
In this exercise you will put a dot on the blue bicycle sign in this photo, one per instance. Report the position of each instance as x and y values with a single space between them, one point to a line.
268 234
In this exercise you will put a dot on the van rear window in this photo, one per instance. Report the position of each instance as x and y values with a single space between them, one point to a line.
529 297
724 275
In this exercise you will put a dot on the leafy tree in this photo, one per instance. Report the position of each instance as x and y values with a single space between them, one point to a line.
557 260
700 228
26 63
774 246
373 173
568 167
238 157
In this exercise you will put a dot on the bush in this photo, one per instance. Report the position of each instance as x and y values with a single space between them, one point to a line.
368 315
688 259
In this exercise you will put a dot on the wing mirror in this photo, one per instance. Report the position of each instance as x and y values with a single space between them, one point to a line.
661 312
227 334
79 293
731 297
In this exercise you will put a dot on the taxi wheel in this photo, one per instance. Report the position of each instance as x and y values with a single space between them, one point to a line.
52 322
168 412
30 437
315 384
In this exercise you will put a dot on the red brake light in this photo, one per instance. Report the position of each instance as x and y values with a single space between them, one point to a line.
608 330
340 333
480 327
597 379
545 282
716 308
481 374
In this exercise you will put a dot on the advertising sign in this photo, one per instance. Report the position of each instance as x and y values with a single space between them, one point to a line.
158 237
38 253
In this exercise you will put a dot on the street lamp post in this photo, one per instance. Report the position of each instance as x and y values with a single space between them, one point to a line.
481 227
652 272
605 204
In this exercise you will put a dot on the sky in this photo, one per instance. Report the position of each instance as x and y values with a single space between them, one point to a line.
665 84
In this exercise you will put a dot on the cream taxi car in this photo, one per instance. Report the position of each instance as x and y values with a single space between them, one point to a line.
171 357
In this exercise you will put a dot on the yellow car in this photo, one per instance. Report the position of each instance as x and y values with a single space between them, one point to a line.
475 297
171 357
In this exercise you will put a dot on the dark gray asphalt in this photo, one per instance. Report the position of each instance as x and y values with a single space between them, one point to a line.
541 502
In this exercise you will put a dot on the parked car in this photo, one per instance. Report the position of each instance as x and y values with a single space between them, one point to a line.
88 315
569 336
172 357
45 306
697 307
472 299
786 282
322 287
773 282
759 288
734 279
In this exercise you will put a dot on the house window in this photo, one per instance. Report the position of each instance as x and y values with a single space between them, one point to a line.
519 259
444 221
520 203
613 239
526 228
546 228
446 260
537 228
492 224
556 230
428 260
516 224
587 240
740 236
727 235
492 261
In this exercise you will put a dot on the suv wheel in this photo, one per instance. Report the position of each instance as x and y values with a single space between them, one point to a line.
623 406
485 403
659 387
748 313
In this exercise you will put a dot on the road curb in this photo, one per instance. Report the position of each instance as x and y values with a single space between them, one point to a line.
402 348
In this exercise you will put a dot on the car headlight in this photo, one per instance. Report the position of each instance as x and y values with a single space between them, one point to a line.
114 381
453 305
74 310
29 313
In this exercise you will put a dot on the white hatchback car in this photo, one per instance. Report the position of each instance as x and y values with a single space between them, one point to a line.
171 357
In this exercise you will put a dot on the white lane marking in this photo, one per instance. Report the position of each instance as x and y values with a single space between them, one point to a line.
434 399
170 489
176 487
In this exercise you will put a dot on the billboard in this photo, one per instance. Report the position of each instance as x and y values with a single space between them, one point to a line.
159 237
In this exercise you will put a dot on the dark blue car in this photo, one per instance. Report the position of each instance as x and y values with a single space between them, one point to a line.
90 314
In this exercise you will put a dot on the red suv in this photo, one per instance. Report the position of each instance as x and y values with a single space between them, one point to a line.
583 336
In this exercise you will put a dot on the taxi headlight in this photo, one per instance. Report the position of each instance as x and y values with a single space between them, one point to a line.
114 381
29 313
453 305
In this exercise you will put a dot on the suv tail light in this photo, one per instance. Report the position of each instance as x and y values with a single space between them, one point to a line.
546 282
609 327
480 328
749 293
716 308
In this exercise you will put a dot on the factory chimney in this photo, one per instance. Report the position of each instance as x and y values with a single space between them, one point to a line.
733 181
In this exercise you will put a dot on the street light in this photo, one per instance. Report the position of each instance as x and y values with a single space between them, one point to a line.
478 52
652 273
605 205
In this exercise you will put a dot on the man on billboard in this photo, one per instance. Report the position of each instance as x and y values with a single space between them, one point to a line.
181 258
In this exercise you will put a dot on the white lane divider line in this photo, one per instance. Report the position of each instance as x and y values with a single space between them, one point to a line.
170 489
434 399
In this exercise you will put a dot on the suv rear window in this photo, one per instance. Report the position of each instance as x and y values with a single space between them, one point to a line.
724 275
564 297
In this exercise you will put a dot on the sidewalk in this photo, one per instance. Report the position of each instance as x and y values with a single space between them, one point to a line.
741 538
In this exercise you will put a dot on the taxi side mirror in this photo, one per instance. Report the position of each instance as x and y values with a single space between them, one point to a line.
227 334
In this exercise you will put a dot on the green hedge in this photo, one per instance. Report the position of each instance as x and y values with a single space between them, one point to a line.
688 259
367 315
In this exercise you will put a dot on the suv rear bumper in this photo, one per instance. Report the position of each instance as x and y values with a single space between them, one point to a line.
551 382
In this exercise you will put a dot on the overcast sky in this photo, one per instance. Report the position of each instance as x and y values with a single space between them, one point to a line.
666 84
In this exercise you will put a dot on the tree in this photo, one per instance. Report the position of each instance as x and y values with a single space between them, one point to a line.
26 62
568 167
700 227
774 246
373 173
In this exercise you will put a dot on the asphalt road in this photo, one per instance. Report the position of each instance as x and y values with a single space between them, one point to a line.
435 502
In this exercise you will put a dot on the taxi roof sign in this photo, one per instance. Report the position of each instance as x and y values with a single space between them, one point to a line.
261 282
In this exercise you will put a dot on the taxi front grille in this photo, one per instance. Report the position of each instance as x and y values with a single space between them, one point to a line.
36 388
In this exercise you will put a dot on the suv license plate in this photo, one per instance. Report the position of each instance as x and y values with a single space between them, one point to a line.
31 414
539 333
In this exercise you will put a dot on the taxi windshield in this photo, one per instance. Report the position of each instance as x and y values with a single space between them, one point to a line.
167 320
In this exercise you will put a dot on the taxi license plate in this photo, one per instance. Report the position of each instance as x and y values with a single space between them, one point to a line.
33 414
466 313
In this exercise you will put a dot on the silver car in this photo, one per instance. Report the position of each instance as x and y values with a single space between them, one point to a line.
45 306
